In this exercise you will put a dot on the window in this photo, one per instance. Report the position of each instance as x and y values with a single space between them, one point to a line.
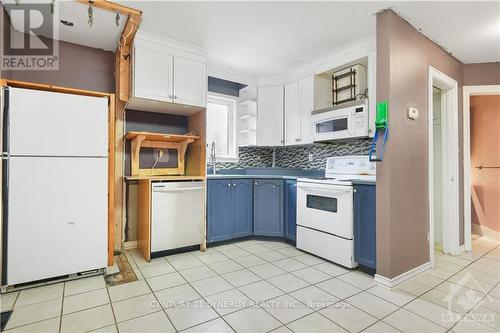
221 127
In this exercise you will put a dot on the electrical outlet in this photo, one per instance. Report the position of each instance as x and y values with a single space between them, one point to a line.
311 157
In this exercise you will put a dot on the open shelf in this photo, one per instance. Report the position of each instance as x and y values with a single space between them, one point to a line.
248 102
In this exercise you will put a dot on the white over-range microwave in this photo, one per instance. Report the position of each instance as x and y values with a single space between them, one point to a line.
346 121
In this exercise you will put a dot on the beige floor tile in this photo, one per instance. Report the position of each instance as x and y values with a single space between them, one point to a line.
87 320
176 296
282 329
448 266
288 282
440 273
309 260
185 263
428 279
372 304
331 269
286 308
271 256
86 300
311 275
257 248
165 281
214 326
406 321
358 279
276 245
481 275
191 314
84 285
135 307
36 312
491 303
289 264
106 329
234 253
212 257
338 288
260 291
414 288
486 316
249 261
314 323
197 273
128 290
454 260
211 286
380 327
228 301
152 323
433 312
394 295
314 297
452 301
241 277
291 252
266 271
252 320
39 294
468 281
46 326
7 300
468 325
155 270
225 266
348 317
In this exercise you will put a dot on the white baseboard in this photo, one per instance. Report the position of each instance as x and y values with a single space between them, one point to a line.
483 231
391 283
130 245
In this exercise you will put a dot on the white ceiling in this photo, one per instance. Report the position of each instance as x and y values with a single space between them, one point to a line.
275 38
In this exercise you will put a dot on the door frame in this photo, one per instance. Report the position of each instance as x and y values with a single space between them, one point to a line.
450 178
469 91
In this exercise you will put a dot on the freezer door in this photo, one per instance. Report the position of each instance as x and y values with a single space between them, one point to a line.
44 123
57 217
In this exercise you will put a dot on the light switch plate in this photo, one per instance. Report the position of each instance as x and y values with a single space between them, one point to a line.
413 113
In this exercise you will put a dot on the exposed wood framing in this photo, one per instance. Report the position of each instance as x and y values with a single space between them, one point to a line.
144 218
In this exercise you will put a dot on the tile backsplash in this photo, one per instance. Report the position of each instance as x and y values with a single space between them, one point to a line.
298 156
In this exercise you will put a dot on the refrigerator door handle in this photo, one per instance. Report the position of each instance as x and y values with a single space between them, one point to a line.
5 178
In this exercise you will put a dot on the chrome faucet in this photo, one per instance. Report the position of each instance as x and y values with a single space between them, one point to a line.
212 157
274 158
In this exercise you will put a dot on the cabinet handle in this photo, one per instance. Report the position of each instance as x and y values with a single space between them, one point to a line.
256 184
355 191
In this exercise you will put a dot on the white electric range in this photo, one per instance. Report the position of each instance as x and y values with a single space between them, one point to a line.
325 215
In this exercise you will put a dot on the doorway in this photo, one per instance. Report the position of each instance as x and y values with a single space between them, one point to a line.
481 162
443 164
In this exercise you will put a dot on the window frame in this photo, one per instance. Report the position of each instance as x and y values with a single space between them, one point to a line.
232 103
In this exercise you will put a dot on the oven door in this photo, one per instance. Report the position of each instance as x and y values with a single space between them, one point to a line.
325 207
331 126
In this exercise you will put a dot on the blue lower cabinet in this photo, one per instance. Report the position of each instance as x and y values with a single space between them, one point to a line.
290 209
220 218
268 208
243 207
365 225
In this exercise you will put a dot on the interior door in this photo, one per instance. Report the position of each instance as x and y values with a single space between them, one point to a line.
190 82
57 217
153 74
44 123
485 161
292 120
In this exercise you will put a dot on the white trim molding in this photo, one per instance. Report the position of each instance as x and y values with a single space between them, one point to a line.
450 161
468 92
391 283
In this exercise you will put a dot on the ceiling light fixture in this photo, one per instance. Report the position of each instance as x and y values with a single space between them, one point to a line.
90 12
52 6
117 19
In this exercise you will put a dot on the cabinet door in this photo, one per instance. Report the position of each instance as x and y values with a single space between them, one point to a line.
190 82
305 105
243 207
219 210
292 129
365 225
291 209
270 116
268 208
153 74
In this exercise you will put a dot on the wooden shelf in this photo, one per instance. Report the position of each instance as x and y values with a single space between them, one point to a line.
160 141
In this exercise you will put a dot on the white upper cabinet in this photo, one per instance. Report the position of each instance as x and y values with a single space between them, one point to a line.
299 102
190 82
167 76
270 116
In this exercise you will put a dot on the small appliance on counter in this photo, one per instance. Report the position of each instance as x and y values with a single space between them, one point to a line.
325 214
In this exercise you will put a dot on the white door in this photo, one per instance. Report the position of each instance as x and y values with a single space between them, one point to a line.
57 217
292 130
270 116
153 74
43 123
190 82
305 107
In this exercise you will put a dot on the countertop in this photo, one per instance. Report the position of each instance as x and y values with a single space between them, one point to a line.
222 176
265 173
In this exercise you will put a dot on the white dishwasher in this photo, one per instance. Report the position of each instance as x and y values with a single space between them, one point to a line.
178 212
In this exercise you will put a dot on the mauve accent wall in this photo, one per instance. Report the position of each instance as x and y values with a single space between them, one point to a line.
481 74
403 58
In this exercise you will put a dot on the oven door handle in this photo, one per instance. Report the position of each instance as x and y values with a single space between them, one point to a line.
333 188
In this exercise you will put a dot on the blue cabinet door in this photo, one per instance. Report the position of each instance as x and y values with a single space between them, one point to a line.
219 210
365 225
268 208
291 209
242 207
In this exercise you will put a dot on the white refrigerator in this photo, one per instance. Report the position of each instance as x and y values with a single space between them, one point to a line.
54 184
